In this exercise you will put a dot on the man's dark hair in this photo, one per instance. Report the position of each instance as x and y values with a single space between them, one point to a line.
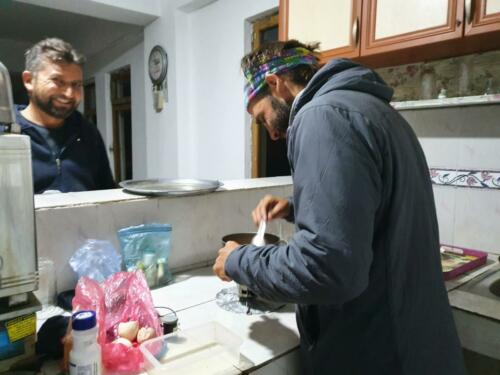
300 75
53 49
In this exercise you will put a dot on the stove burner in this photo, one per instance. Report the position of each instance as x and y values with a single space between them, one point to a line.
229 300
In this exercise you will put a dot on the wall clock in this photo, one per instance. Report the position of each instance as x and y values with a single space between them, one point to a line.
157 69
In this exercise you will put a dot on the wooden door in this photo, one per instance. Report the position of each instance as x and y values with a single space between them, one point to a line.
122 124
89 102
390 25
335 24
122 141
269 158
482 16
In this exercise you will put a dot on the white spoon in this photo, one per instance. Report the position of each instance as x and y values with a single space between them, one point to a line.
258 239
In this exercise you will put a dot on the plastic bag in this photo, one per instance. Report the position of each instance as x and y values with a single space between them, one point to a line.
96 259
123 297
147 247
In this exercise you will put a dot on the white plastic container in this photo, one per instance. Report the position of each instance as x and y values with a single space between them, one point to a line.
204 350
85 356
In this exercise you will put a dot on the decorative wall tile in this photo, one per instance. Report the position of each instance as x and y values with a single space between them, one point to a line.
466 178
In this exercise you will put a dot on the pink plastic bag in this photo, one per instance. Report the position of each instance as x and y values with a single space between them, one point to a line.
124 296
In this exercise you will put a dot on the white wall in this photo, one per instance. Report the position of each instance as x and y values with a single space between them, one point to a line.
463 138
203 131
135 59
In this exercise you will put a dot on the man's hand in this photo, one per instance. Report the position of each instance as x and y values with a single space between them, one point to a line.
220 262
270 208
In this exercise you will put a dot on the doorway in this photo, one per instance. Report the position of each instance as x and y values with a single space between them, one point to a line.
89 102
121 105
269 158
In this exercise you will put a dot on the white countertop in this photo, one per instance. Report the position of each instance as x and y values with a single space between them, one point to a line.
265 336
268 336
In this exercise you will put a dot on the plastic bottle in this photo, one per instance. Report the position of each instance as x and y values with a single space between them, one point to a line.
85 356
150 268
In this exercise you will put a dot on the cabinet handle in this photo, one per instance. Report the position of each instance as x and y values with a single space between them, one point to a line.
355 32
469 11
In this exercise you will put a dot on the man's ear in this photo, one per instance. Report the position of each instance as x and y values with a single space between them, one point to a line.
274 83
28 80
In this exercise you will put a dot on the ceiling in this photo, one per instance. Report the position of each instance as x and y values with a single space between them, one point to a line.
22 25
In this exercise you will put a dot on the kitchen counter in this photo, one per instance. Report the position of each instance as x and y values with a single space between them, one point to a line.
476 310
266 337
65 221
270 341
270 336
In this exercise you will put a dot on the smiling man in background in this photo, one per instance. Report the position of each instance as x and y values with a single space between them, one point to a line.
68 153
363 266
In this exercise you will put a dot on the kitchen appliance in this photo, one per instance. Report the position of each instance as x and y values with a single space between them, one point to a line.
18 257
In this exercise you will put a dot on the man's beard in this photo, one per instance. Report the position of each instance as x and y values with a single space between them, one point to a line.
49 108
282 111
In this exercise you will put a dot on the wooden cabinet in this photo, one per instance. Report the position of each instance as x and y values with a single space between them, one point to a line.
481 16
390 25
391 32
333 23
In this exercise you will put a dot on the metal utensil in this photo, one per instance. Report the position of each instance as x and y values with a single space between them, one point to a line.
258 239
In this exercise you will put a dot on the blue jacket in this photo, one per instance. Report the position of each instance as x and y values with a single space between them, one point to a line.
364 263
82 163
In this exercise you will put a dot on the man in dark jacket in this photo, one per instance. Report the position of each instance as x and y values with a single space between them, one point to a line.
364 263
67 151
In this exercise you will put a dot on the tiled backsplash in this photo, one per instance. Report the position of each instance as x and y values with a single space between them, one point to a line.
475 74
462 147
466 178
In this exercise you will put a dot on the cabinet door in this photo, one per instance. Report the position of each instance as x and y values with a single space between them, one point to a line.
335 24
482 16
390 25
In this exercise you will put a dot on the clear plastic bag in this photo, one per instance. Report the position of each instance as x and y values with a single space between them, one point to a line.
96 259
123 297
147 247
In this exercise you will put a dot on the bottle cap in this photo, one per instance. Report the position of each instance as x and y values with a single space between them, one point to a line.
83 320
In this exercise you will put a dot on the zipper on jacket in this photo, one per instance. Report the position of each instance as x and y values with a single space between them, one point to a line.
58 163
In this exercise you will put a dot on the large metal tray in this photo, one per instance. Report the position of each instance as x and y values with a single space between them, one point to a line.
159 186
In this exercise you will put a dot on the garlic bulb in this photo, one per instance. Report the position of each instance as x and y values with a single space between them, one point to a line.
128 330
123 341
145 333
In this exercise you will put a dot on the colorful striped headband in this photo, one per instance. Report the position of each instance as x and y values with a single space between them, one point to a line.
285 61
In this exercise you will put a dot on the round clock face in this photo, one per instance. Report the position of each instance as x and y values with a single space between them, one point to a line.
157 65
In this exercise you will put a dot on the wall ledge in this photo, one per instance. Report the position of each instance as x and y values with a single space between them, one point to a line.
447 102
89 198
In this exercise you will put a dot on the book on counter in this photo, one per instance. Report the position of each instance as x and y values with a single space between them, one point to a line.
457 260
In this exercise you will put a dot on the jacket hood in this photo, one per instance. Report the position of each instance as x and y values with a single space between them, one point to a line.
343 74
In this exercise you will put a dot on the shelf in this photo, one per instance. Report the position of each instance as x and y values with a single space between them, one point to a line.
447 102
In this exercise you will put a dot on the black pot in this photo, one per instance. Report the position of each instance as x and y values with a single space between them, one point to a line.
246 238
